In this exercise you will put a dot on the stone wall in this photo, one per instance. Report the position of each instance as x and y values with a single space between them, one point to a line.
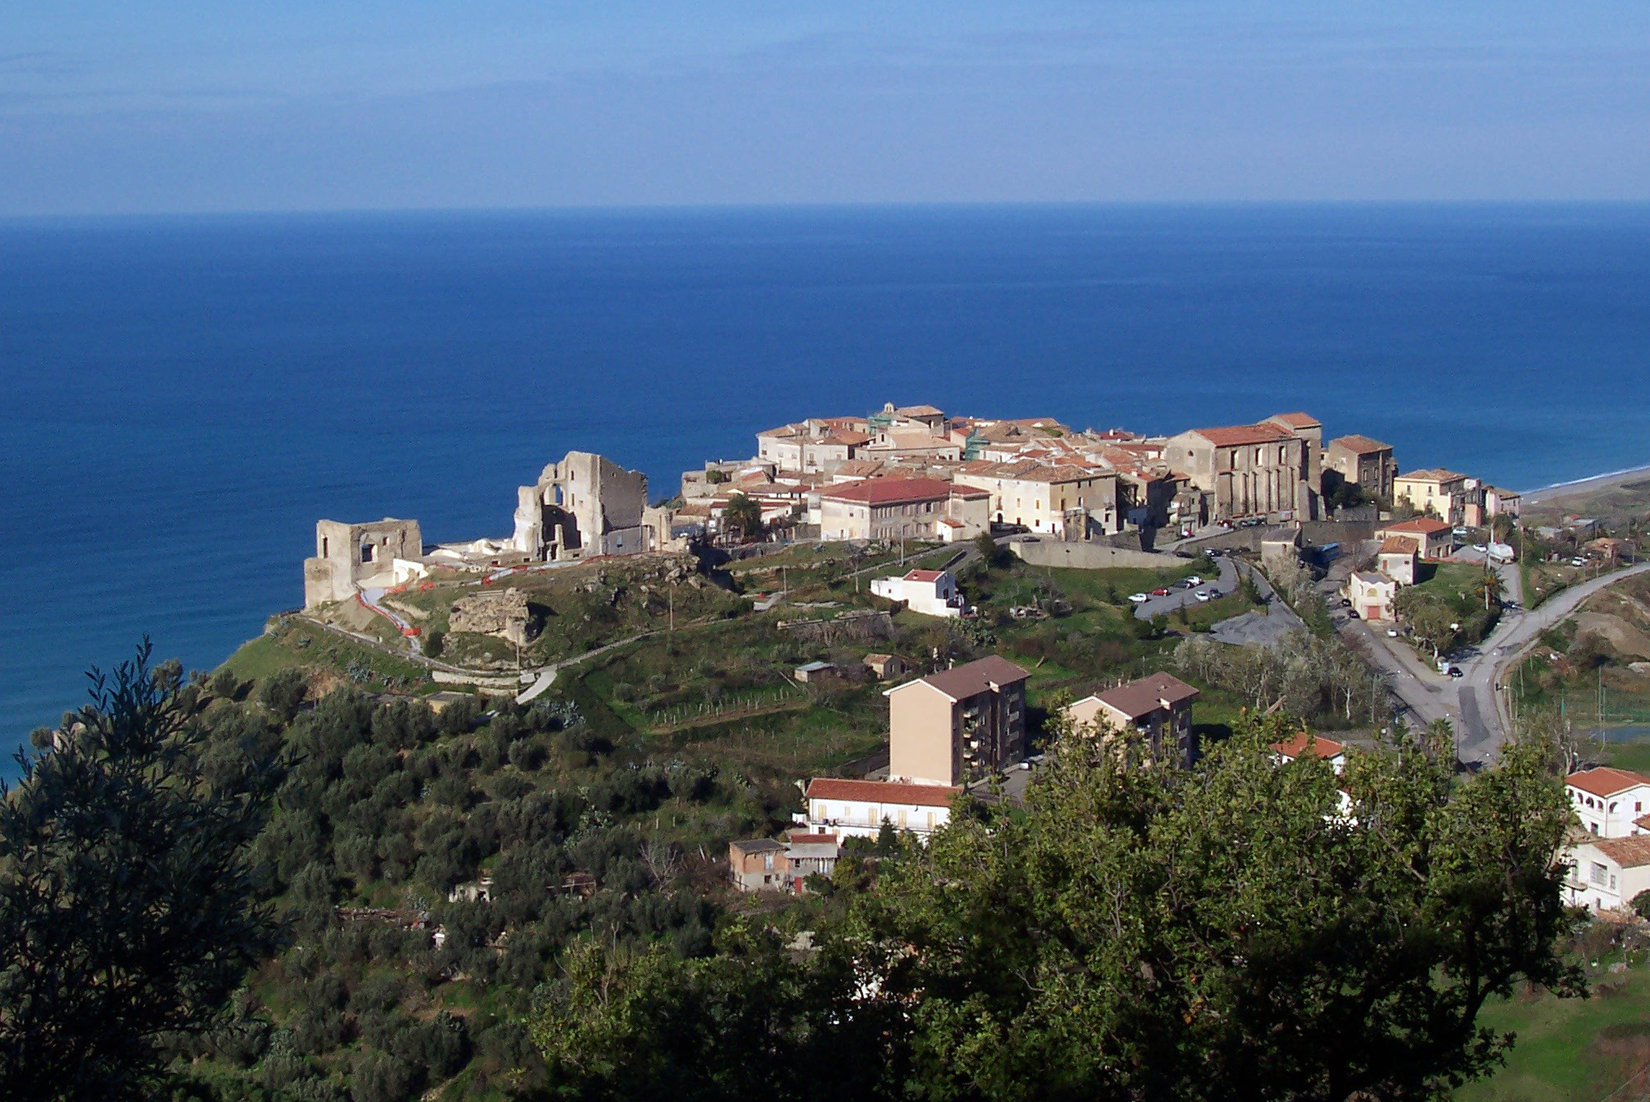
1086 556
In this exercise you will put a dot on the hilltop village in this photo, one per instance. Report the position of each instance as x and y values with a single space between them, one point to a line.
666 721
1262 529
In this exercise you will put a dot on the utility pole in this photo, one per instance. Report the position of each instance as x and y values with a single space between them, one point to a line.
673 608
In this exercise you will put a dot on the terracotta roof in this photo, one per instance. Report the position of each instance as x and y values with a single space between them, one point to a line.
1627 852
1232 436
1146 695
1398 545
1431 474
886 792
1359 445
1297 420
971 679
845 437
1425 526
924 575
893 491
808 838
918 411
1642 822
1325 748
1605 780
1371 577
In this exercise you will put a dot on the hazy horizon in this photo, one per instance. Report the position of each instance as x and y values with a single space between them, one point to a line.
513 105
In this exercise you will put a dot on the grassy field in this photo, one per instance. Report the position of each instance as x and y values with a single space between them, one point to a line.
1573 1050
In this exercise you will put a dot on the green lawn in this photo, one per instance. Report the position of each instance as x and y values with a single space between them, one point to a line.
1557 1056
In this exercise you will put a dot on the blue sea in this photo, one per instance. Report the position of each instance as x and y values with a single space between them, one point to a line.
184 397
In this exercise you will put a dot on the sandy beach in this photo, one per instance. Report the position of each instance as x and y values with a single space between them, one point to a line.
1546 495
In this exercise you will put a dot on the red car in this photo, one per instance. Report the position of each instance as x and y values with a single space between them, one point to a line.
1160 592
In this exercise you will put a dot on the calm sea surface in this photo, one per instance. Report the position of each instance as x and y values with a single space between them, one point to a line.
183 398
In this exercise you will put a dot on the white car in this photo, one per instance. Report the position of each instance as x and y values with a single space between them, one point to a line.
1194 580
1392 633
1205 594
1139 598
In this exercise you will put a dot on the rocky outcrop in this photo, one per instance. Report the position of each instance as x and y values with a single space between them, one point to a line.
500 612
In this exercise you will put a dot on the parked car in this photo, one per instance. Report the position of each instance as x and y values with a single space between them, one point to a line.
1194 581
1185 583
1346 602
1456 671
1352 612
1392 633
1138 598
1206 594
1160 591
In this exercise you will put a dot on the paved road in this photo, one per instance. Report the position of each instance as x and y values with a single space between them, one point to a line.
1484 710
1471 703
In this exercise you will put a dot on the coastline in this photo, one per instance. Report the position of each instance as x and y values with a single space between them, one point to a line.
1579 486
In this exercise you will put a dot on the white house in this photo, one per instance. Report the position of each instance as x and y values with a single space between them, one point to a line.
930 592
1607 874
1607 801
857 809
1371 594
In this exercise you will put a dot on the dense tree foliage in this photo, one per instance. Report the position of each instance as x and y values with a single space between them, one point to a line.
127 903
1136 933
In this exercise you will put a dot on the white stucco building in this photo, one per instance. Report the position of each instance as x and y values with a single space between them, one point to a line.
857 809
930 592
1607 874
1609 801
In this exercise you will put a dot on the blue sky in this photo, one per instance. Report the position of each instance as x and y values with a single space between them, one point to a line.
193 106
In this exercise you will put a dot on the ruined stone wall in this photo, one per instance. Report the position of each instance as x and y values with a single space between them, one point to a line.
582 506
346 555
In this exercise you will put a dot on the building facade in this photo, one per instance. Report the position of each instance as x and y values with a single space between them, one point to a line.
1159 707
1366 463
1245 470
584 506
1608 801
1436 492
959 725
930 592
857 809
902 508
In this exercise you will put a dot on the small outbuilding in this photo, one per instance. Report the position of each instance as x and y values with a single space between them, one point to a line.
814 671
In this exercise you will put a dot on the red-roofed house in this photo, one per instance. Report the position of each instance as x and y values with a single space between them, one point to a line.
1247 470
902 508
958 725
930 592
1433 539
1607 800
857 809
1306 743
1605 875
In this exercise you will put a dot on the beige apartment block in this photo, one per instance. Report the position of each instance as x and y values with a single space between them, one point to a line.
1159 707
959 725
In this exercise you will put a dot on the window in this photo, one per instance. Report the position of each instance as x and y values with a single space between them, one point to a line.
367 552
1612 807
1600 874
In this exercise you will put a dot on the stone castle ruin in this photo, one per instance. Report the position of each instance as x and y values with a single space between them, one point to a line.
352 557
582 507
